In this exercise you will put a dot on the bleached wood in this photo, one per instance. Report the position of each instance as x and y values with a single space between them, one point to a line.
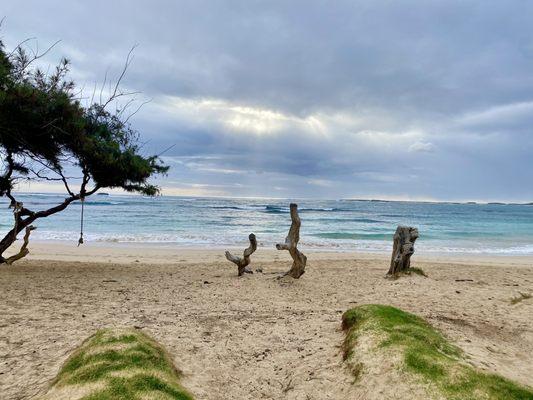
291 243
403 248
243 262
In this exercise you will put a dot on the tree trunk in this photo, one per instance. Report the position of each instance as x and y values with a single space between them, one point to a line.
11 236
23 252
402 250
243 262
24 223
291 243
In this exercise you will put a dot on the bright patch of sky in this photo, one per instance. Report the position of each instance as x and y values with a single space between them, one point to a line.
404 99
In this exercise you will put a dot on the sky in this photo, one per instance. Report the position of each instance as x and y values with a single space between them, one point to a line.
407 100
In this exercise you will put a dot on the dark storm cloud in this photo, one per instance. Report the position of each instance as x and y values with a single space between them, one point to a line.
422 99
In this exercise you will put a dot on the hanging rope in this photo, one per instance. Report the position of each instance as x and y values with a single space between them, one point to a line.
80 240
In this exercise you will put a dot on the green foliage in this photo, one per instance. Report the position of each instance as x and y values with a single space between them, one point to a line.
43 125
127 364
427 354
5 67
130 388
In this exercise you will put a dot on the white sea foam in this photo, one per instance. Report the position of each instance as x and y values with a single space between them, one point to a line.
326 225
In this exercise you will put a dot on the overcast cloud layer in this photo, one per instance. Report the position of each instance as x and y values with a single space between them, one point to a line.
366 99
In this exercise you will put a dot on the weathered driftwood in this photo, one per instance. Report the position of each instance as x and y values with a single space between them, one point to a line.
24 248
291 243
243 262
403 249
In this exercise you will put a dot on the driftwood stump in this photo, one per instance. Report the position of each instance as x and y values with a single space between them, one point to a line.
243 262
291 243
403 249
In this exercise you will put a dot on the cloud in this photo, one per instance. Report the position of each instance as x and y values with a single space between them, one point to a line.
308 99
320 182
498 117
422 147
236 117
195 191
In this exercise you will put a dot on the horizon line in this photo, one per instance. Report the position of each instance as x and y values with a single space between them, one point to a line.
372 199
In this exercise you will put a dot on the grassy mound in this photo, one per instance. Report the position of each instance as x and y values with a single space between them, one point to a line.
423 354
118 364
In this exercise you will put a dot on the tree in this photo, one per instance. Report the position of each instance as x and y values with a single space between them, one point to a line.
46 134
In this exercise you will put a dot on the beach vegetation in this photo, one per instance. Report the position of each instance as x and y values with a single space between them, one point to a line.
119 364
48 135
521 297
417 271
424 354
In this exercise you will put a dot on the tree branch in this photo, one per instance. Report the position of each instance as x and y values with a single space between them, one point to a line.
115 94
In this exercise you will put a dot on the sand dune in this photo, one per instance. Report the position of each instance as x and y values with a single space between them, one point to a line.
252 337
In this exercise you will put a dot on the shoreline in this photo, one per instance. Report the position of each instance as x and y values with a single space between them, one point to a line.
164 253
446 230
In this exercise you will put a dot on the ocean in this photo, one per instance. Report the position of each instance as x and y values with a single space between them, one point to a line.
341 225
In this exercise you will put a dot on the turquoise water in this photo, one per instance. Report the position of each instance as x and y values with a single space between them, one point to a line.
326 224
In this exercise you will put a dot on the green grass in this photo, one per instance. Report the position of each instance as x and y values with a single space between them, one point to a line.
127 365
417 271
521 297
426 354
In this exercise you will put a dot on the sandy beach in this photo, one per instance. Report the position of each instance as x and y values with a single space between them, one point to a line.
372 160
254 337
